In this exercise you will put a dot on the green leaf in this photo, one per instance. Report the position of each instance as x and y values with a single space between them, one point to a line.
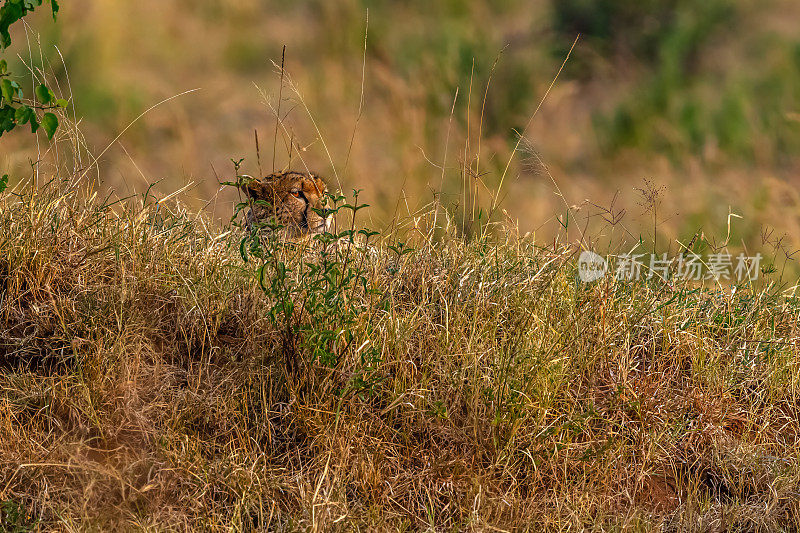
10 13
23 114
243 250
34 124
61 102
7 90
50 124
13 10
44 94
4 183
6 119
3 66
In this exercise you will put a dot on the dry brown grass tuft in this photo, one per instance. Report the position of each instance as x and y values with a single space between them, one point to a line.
461 386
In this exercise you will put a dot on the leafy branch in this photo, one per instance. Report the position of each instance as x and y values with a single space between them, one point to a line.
13 110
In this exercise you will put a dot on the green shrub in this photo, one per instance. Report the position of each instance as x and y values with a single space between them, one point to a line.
15 110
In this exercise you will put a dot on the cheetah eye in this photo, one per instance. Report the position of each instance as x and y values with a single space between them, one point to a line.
295 193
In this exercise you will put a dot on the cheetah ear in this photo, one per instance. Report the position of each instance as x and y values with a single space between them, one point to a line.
254 188
318 182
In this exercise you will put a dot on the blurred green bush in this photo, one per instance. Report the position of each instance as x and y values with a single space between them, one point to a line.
682 102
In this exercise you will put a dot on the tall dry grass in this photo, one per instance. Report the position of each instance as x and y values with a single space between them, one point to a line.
122 58
154 380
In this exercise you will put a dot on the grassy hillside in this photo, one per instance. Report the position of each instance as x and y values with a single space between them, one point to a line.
154 379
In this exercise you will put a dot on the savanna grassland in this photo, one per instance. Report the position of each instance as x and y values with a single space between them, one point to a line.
700 99
162 369
159 376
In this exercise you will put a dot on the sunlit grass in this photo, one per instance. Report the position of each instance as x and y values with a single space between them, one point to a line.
477 384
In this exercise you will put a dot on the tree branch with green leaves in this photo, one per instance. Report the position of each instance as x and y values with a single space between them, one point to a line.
14 110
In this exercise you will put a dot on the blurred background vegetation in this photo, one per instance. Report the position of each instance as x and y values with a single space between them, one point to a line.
700 98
